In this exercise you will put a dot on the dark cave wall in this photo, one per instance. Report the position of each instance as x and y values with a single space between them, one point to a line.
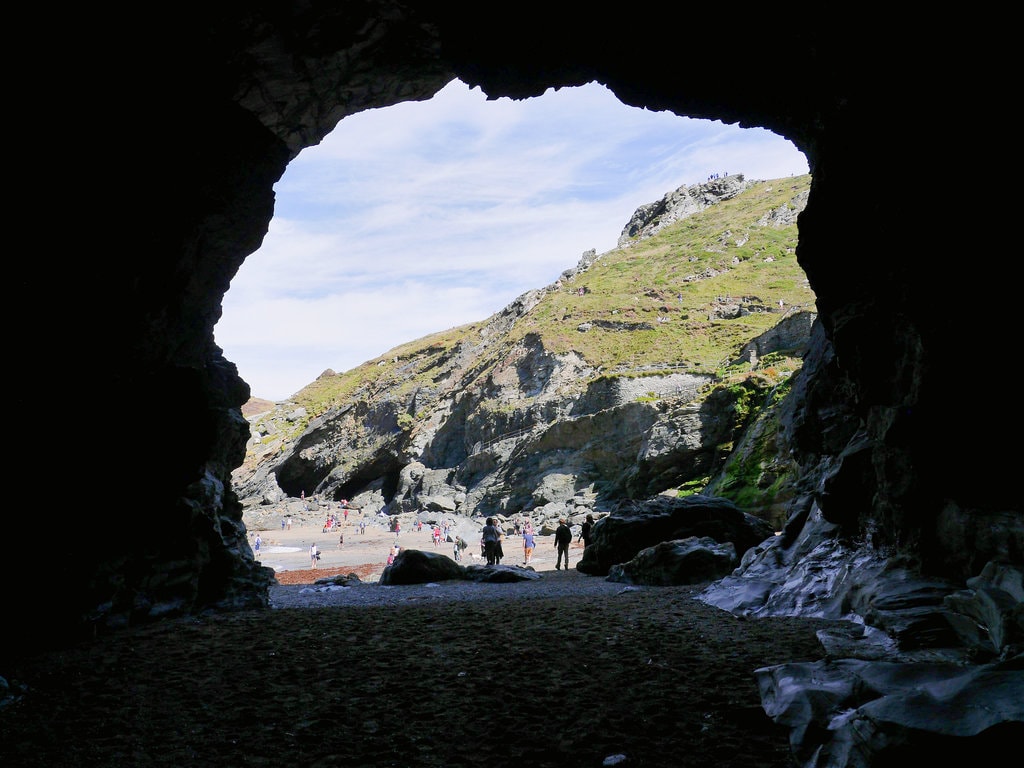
186 125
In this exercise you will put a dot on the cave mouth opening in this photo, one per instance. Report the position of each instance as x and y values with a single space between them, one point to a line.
451 208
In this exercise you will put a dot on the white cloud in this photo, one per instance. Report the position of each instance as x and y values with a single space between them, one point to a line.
420 217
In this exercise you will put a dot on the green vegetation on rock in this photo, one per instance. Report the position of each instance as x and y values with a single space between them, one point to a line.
685 299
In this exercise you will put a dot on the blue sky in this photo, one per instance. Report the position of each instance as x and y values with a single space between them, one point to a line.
424 216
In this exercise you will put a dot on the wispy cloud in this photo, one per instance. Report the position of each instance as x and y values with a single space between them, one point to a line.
427 215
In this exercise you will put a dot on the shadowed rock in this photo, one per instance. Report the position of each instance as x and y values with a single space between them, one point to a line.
414 566
619 537
687 561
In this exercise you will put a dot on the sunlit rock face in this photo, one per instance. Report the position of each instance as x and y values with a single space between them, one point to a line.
168 146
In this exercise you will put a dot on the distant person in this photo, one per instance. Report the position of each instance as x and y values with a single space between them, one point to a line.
528 544
459 547
314 555
563 538
491 538
256 547
587 531
289 522
341 541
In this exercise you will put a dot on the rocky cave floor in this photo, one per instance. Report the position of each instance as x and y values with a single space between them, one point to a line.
574 678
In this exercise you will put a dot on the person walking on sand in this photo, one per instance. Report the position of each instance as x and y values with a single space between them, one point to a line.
563 538
314 555
256 547
528 545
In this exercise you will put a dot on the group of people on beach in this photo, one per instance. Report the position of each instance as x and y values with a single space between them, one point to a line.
491 538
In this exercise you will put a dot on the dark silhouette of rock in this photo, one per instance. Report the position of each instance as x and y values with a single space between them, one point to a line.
413 566
636 525
687 561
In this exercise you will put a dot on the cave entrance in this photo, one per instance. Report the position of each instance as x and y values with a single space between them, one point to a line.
411 220
424 216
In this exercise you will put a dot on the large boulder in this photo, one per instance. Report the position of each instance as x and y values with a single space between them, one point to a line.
413 566
635 526
688 561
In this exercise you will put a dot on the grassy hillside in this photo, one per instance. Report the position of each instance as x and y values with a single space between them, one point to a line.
650 305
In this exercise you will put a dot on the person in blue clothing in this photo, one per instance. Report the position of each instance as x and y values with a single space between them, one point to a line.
528 544
257 545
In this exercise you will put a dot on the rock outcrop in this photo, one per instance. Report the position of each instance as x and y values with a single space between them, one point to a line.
496 422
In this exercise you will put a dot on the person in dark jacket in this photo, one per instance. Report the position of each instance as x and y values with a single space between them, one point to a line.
563 538
491 540
586 531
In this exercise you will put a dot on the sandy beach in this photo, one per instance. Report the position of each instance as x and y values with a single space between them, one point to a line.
580 673
287 550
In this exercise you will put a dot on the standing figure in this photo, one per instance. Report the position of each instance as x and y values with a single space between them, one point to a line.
587 531
528 545
563 538
491 539
256 547
314 555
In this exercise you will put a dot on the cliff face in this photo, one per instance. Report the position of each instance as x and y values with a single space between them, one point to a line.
495 421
